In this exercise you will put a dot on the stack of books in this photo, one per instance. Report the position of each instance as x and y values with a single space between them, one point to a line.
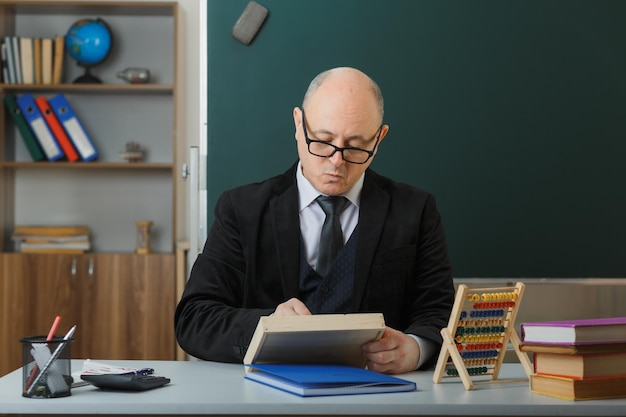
52 239
577 359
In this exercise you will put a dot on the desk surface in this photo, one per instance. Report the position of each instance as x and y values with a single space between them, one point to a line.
209 388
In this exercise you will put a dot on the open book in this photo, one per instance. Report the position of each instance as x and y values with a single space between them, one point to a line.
330 339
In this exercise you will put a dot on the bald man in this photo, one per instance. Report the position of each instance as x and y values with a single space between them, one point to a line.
262 254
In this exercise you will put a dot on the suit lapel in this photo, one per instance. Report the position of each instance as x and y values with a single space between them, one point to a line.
373 211
286 229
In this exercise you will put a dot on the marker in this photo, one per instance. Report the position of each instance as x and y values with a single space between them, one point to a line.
53 330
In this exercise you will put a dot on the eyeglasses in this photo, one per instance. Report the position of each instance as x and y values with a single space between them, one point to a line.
327 149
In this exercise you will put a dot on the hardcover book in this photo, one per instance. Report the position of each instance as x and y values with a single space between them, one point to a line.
574 349
317 380
604 330
49 231
581 366
330 339
578 389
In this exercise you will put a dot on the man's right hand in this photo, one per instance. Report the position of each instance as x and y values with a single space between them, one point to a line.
292 307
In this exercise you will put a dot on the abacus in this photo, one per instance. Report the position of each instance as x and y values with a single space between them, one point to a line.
480 328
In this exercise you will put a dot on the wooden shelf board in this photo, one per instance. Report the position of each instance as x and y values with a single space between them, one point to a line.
88 165
90 88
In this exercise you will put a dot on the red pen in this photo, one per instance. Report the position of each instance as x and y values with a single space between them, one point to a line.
51 333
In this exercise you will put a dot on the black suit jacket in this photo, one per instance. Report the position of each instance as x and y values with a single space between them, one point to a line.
250 264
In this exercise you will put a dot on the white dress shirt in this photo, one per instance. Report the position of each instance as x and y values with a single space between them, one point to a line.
312 218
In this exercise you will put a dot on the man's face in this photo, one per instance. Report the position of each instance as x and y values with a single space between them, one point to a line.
344 127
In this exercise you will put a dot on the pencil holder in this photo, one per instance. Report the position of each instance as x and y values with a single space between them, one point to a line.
46 367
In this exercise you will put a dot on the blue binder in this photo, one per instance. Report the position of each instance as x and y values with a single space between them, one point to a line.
75 130
38 125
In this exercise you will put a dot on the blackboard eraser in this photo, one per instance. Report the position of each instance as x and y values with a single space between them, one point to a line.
249 23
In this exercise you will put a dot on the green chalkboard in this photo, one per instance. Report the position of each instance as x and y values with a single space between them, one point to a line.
512 113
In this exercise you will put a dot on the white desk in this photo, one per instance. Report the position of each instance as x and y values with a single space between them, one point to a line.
208 388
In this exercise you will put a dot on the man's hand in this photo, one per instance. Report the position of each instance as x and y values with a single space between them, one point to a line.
394 353
292 307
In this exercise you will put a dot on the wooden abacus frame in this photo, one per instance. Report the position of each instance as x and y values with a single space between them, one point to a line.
480 328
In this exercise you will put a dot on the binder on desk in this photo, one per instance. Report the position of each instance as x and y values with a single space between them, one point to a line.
73 127
38 125
55 127
22 125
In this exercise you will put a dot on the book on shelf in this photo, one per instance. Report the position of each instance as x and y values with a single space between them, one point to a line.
27 60
328 339
73 127
37 59
318 380
57 62
57 251
582 331
52 239
31 142
17 60
83 245
578 389
57 130
8 44
5 66
35 119
50 231
46 60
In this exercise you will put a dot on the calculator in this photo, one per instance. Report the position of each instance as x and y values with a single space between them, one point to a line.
126 382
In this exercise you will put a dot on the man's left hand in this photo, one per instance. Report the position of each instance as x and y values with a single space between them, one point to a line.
394 353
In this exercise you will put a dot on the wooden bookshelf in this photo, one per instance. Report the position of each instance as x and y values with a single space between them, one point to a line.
122 302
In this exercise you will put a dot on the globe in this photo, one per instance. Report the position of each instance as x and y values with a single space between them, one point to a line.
89 42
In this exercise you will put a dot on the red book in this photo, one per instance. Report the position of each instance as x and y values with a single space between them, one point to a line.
57 129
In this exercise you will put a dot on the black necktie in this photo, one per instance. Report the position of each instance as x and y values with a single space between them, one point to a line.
331 239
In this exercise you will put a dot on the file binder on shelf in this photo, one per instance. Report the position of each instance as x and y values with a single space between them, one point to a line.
57 130
73 127
22 125
35 119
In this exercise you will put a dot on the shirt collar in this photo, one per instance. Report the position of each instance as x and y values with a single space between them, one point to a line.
308 193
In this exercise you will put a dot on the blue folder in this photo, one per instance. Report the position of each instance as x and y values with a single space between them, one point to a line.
317 380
